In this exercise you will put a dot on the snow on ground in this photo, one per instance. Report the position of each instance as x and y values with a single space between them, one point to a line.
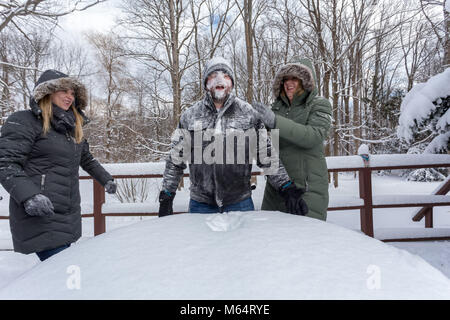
256 255
14 265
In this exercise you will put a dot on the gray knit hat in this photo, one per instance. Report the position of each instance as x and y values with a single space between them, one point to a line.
217 64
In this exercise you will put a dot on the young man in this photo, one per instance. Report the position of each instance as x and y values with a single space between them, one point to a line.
220 137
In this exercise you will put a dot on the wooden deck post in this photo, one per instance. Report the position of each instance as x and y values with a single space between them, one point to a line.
365 192
99 218
429 217
427 212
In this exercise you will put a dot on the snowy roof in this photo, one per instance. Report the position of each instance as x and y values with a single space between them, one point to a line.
251 255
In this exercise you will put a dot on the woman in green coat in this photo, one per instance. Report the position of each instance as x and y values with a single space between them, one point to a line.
303 119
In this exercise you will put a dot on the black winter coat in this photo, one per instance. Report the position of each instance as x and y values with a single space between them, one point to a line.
32 163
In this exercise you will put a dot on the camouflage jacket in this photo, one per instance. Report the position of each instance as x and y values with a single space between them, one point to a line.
220 147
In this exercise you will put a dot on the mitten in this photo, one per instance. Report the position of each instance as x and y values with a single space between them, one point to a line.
39 205
293 199
110 187
265 114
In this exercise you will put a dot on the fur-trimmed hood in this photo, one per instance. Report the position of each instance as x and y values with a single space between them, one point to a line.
301 69
51 81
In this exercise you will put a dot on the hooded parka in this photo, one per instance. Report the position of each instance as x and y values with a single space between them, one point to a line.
32 162
303 127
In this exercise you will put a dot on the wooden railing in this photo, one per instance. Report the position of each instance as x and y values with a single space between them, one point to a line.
395 162
365 203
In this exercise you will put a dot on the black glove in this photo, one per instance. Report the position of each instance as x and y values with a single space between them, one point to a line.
166 203
110 187
265 114
39 205
293 199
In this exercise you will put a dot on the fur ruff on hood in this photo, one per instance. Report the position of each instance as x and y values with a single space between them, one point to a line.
296 70
62 83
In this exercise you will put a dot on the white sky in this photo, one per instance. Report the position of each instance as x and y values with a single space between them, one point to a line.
97 18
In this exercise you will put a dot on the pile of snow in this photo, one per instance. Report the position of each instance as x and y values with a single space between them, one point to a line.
240 255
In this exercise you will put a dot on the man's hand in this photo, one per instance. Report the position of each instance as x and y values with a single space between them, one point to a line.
293 199
265 114
166 203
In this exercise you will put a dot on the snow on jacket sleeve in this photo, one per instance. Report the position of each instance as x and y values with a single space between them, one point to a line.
92 166
16 142
277 175
175 167
314 132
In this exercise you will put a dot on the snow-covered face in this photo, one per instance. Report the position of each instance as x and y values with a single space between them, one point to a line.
220 85
291 86
63 98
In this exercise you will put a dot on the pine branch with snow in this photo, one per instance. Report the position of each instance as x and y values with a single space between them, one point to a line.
425 109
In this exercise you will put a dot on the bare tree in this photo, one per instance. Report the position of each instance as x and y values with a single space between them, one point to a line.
251 11
440 27
71 58
210 30
115 83
160 34
20 13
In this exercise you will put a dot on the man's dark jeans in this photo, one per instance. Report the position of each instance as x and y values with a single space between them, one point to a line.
43 255
199 207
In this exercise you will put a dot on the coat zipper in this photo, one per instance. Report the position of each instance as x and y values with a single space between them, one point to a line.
70 139
42 182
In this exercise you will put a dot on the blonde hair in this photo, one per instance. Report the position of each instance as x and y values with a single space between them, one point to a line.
46 106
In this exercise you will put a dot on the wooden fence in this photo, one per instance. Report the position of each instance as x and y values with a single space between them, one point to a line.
366 202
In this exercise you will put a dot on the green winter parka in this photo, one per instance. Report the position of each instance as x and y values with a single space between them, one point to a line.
303 127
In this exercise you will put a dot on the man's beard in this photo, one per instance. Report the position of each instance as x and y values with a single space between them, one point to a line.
219 96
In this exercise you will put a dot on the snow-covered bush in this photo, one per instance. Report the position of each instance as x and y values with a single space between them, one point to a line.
424 121
423 174
133 190
425 114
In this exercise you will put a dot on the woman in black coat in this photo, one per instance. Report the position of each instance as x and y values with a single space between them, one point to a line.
41 151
